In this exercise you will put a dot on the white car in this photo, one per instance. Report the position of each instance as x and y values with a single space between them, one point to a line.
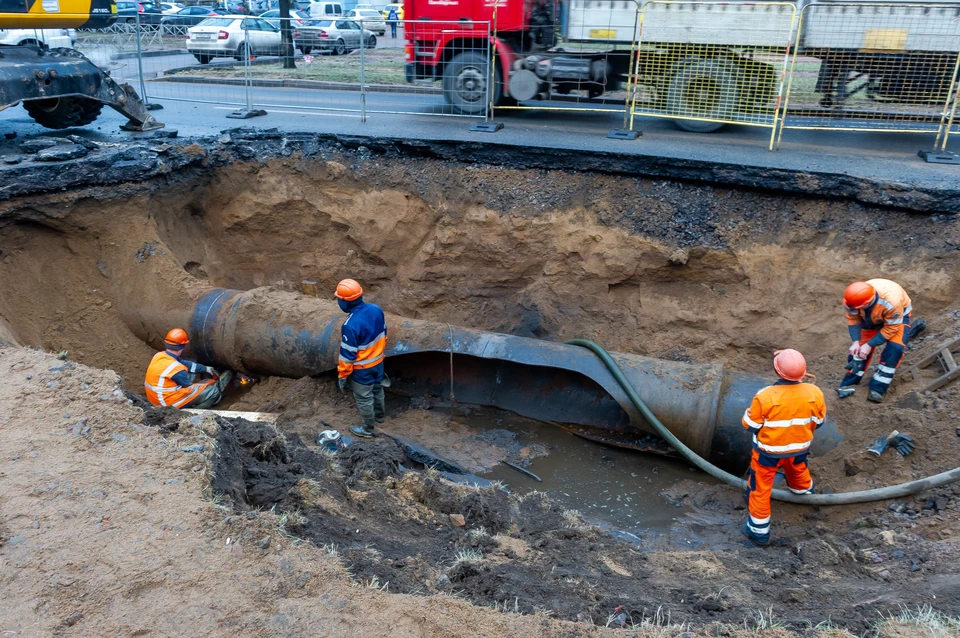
52 38
223 36
370 19
170 8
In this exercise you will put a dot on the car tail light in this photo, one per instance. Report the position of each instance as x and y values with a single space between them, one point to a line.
139 8
223 35
323 34
212 15
409 49
296 34
188 35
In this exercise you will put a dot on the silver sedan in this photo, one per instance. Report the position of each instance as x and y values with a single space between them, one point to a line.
338 36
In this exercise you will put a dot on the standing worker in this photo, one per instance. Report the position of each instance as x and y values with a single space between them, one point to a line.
782 419
363 340
392 18
878 314
170 378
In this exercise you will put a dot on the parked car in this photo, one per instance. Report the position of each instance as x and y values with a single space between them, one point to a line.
188 16
326 10
273 17
149 13
336 36
223 36
385 12
51 38
170 8
369 7
370 19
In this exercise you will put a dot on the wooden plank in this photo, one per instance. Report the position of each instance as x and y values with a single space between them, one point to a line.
942 381
923 363
947 359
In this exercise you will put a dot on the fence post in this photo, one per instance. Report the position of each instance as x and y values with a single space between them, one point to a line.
249 111
627 132
143 85
363 84
488 125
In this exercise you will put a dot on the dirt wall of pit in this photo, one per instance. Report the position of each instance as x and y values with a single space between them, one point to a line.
656 268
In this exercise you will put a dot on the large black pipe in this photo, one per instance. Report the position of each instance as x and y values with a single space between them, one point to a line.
269 332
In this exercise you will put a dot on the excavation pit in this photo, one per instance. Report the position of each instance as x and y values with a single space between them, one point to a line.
676 271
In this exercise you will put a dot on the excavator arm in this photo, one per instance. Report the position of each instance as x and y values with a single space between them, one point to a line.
60 88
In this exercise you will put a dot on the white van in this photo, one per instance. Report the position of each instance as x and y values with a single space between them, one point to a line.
325 10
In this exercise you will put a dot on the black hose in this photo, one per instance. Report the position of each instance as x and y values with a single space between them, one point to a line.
877 494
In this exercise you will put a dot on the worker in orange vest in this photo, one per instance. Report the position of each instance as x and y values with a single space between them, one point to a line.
878 314
782 419
170 378
363 342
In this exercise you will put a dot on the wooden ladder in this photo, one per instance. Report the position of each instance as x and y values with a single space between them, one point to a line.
945 357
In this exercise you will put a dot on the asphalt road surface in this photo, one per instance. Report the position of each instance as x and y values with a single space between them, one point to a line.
202 109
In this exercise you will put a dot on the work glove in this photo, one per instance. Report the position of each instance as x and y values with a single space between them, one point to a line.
879 446
854 349
855 365
342 383
903 444
210 370
864 351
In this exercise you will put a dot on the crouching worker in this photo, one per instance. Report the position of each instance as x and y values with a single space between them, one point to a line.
782 419
170 378
363 342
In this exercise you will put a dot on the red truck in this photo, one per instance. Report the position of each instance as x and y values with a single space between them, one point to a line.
449 41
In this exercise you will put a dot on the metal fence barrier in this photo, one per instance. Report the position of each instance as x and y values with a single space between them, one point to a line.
709 64
598 45
877 67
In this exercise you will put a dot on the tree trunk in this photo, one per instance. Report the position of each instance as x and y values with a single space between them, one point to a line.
286 36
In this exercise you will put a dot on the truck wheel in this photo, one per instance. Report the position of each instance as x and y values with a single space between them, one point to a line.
705 88
63 112
465 83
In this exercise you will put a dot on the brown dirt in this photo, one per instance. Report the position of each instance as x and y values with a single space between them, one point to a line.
656 268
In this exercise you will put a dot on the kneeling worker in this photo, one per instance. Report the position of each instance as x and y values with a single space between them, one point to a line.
363 341
170 377
878 314
782 418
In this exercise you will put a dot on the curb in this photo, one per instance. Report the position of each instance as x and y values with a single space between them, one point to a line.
302 84
148 54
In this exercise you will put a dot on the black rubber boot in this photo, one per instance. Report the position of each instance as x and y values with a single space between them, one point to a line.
916 328
362 432
846 391
753 538
874 397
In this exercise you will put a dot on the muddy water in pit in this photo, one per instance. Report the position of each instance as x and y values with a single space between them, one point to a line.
612 487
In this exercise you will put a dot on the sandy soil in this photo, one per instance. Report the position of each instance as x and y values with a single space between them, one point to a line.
119 523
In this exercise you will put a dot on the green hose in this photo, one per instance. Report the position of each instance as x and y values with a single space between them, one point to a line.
878 494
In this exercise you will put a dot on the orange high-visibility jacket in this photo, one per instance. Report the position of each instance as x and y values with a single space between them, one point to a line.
160 386
784 416
887 314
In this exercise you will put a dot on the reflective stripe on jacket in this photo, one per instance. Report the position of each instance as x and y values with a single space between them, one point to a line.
784 416
160 387
887 314
363 341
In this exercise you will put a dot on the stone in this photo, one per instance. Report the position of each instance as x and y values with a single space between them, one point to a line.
61 153
794 596
192 448
36 145
457 520
679 256
263 543
899 507
12 159
73 618
897 554
885 574
910 401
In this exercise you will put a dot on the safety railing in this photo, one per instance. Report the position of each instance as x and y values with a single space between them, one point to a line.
576 56
876 67
328 64
704 65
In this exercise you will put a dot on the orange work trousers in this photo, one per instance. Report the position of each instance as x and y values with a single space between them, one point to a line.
763 469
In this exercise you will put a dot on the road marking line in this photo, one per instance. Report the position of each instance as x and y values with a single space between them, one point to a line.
317 112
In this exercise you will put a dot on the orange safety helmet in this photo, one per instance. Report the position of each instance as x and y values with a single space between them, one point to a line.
859 294
349 290
790 364
176 339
